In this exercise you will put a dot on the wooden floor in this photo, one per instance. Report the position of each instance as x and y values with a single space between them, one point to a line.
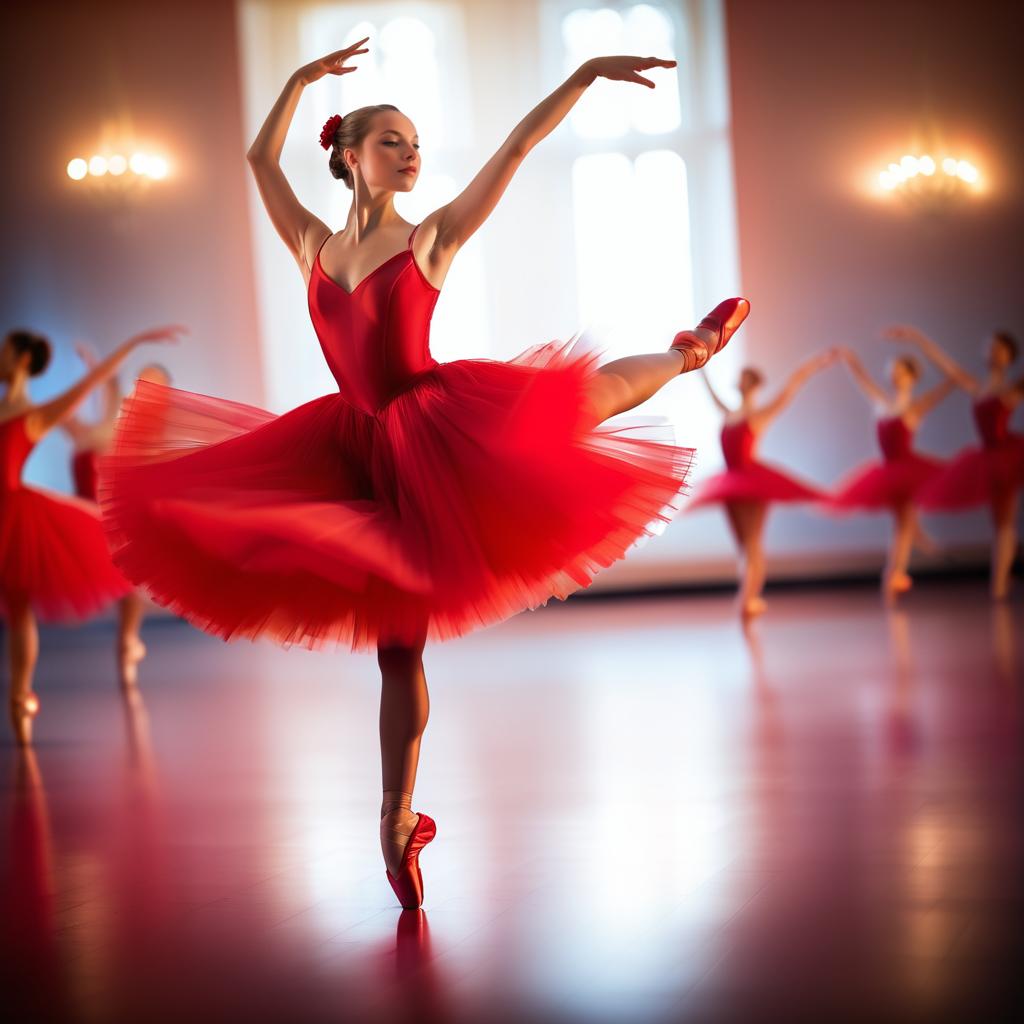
643 815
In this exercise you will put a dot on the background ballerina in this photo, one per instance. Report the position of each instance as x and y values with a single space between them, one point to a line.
423 499
54 561
747 486
991 474
91 440
893 484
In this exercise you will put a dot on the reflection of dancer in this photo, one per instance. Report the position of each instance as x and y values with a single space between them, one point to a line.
747 486
91 440
892 485
53 554
991 474
425 499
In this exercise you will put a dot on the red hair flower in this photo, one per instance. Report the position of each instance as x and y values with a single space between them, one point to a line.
330 128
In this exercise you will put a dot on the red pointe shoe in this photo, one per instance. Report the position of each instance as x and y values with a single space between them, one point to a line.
724 320
408 885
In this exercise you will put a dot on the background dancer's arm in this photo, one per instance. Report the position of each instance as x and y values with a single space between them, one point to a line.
47 415
797 379
934 354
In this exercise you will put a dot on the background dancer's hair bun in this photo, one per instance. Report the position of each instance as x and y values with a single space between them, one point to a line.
37 347
349 132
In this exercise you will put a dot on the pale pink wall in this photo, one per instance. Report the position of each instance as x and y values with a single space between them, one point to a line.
821 93
74 268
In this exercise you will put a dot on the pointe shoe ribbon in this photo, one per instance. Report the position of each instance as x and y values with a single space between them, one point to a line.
408 883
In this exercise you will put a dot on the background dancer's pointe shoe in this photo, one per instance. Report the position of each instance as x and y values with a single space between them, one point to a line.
408 884
23 711
717 328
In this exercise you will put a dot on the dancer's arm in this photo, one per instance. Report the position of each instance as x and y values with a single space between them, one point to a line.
457 221
924 405
934 354
73 426
799 377
293 222
862 378
47 415
714 395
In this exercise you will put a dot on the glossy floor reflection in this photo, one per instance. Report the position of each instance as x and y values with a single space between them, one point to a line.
643 815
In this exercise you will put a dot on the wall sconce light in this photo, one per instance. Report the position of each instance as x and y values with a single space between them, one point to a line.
119 171
928 181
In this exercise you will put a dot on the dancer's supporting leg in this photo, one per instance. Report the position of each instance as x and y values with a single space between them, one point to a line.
896 580
1004 541
747 519
404 709
23 651
130 648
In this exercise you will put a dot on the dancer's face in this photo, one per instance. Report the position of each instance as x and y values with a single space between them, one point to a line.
389 156
749 382
999 355
155 375
901 376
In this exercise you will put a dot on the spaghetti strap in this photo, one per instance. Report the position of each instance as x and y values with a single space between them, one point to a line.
411 233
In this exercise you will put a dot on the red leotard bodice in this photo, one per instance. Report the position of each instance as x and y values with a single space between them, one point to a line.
738 444
376 338
992 418
14 450
894 437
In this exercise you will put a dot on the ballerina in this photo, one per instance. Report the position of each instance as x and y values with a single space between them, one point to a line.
53 554
91 439
747 486
893 484
423 499
991 473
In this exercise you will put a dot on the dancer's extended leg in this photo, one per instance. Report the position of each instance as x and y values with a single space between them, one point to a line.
625 383
1004 541
130 648
404 709
23 652
747 519
896 579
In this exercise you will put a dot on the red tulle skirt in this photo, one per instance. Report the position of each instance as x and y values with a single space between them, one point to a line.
53 552
976 476
483 489
755 482
884 485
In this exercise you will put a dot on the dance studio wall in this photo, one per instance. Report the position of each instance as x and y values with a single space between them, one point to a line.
75 267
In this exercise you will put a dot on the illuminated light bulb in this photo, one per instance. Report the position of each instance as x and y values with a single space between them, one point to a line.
966 171
888 180
157 168
139 163
77 169
926 165
949 166
909 165
896 171
98 166
117 165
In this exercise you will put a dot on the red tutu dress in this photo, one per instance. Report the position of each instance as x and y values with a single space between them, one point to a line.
977 475
897 479
424 499
746 479
52 549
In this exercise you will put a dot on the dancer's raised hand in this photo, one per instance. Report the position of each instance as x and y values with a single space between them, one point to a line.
169 334
332 64
626 69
